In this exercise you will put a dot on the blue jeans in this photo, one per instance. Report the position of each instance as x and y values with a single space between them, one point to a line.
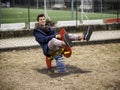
60 62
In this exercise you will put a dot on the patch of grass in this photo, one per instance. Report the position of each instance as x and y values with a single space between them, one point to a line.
13 15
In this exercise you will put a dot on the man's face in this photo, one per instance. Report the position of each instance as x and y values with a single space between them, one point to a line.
42 21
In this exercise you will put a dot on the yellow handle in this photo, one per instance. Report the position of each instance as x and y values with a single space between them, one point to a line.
73 52
66 52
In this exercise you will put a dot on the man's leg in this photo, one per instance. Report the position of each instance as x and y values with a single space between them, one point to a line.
85 36
60 62
54 45
75 37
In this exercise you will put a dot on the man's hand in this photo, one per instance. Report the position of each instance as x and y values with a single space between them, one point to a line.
58 36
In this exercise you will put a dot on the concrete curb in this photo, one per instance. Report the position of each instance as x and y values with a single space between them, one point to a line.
76 43
81 28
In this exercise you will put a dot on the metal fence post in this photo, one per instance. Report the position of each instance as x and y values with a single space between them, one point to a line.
72 9
118 11
76 15
101 8
37 4
28 14
0 15
118 7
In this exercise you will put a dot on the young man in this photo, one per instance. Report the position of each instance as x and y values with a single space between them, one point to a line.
50 41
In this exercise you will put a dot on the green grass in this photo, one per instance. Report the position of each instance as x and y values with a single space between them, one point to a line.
13 15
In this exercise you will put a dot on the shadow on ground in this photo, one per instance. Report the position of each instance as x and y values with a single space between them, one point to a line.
71 69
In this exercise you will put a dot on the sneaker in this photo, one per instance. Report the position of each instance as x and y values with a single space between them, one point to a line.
60 70
87 34
67 40
56 70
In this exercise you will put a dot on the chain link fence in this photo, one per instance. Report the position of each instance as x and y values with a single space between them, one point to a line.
15 11
21 15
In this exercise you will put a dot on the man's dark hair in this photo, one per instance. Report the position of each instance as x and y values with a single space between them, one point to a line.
40 15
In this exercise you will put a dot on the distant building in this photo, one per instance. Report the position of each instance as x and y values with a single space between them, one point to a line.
89 5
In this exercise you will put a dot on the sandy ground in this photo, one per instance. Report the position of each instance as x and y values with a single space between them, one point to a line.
91 67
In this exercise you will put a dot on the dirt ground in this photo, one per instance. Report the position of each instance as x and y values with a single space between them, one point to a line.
91 67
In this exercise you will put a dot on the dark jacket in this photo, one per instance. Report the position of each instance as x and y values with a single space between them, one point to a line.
43 36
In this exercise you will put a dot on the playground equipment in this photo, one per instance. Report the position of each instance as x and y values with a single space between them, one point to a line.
65 51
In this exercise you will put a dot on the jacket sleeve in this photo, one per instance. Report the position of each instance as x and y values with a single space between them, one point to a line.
41 37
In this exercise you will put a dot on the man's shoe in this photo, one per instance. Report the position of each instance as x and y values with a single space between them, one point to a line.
61 70
87 34
67 40
56 70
